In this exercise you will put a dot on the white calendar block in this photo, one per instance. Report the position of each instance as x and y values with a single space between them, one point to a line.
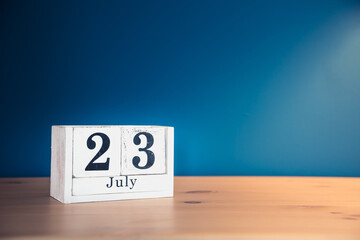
143 150
103 163
122 184
98 145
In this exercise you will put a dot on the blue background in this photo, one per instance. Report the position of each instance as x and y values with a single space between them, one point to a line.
251 87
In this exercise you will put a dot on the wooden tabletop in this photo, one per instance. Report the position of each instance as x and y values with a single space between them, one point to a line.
203 208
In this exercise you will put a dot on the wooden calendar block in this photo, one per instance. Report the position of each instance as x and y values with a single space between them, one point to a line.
143 150
122 184
103 163
92 150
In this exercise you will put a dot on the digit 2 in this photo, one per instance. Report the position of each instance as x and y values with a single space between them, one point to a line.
150 154
104 147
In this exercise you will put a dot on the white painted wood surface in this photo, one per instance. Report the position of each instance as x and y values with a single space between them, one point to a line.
131 150
119 184
70 156
82 154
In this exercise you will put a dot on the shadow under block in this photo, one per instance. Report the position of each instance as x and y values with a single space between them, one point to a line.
104 163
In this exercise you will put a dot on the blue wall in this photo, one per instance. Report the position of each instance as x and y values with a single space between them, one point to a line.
251 87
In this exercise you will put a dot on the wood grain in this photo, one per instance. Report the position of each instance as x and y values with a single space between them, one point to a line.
203 208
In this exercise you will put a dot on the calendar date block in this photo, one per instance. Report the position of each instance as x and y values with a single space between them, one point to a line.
104 163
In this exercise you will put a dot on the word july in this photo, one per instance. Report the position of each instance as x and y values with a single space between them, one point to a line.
119 182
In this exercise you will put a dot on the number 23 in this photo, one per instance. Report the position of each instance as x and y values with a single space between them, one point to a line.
92 166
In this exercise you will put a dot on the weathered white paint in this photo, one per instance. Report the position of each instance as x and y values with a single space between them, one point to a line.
130 150
120 184
83 155
67 153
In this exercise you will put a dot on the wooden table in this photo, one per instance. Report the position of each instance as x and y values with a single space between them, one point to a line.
203 208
